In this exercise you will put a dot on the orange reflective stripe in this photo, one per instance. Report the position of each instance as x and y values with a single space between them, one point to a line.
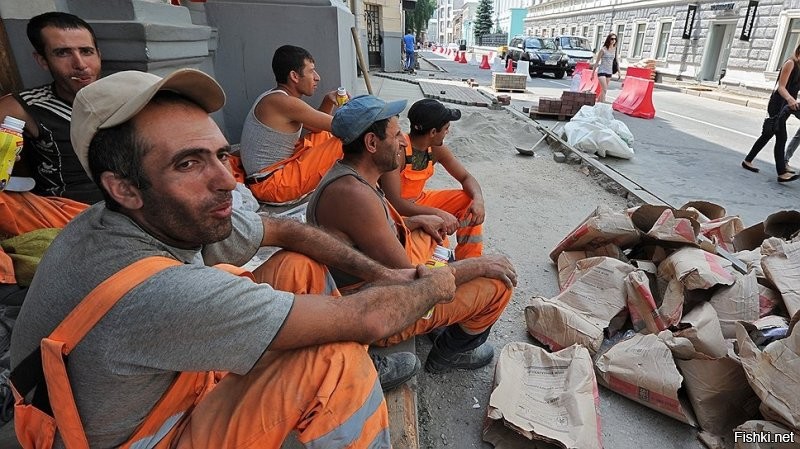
469 239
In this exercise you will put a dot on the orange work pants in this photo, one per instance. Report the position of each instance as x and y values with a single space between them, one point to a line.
24 212
469 239
477 304
329 394
293 178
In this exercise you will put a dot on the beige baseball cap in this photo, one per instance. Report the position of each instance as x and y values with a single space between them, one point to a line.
115 99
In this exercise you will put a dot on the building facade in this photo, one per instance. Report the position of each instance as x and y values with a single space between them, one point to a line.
468 20
739 43
502 12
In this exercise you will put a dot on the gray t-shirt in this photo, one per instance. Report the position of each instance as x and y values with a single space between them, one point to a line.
187 318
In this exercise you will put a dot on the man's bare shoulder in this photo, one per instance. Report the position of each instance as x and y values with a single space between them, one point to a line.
348 190
347 201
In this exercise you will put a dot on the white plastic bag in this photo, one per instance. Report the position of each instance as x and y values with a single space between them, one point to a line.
594 130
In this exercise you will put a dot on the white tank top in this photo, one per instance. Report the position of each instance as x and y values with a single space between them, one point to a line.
261 145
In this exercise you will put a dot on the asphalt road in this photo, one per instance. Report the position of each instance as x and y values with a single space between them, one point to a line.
691 150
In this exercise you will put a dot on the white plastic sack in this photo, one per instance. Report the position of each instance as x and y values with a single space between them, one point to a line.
594 130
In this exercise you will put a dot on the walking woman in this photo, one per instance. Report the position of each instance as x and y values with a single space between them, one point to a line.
775 125
604 64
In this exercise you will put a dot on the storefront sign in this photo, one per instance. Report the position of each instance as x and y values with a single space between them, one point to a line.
722 7
749 19
687 26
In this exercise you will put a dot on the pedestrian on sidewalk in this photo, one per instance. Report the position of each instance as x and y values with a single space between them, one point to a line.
784 95
604 64
409 46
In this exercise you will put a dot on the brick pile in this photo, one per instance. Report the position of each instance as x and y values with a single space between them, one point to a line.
571 102
549 105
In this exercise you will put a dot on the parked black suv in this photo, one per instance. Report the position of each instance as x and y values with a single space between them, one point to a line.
541 53
577 49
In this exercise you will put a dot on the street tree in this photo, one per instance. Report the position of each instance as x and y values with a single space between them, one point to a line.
417 19
483 19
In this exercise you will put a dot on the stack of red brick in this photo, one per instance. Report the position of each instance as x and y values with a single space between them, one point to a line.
567 105
549 105
571 102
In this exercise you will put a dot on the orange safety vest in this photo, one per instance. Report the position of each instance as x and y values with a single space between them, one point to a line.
412 182
54 408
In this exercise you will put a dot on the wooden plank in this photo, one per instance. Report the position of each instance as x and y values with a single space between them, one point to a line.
402 405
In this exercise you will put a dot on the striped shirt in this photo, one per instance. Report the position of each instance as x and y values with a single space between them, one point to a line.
53 162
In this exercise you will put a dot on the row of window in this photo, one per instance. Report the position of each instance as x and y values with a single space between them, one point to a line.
635 45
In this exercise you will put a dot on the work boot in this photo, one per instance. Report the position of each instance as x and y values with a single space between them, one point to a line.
471 359
395 369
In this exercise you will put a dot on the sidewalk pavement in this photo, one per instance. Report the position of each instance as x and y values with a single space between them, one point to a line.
396 86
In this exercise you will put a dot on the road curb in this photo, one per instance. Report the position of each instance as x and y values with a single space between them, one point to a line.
633 191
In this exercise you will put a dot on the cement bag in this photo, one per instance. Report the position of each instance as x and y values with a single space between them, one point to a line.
774 373
543 397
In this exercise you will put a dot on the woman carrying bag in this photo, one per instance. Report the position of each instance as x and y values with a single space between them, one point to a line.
604 64
782 98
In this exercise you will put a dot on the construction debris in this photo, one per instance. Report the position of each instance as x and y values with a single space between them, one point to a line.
684 311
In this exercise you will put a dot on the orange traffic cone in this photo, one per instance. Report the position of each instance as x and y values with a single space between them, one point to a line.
462 57
510 66
484 62
456 53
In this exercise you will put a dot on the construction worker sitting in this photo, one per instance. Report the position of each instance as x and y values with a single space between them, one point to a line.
281 164
149 325
462 210
349 204
65 46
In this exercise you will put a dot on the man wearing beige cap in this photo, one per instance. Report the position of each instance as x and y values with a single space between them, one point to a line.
148 324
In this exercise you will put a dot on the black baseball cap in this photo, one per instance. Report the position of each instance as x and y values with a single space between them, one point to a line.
428 113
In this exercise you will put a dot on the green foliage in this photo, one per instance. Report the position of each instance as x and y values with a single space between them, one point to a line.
483 18
417 20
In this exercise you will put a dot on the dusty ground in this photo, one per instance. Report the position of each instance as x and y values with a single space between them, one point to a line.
531 204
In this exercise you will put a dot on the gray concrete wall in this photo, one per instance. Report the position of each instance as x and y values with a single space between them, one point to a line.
251 30
141 35
392 53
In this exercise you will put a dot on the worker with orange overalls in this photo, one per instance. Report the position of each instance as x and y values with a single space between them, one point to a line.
462 210
286 145
149 325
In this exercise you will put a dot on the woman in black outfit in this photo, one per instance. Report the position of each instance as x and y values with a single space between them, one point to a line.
775 125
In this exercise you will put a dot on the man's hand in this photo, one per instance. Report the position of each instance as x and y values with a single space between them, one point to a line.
500 268
475 213
431 224
793 104
441 282
449 221
330 97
